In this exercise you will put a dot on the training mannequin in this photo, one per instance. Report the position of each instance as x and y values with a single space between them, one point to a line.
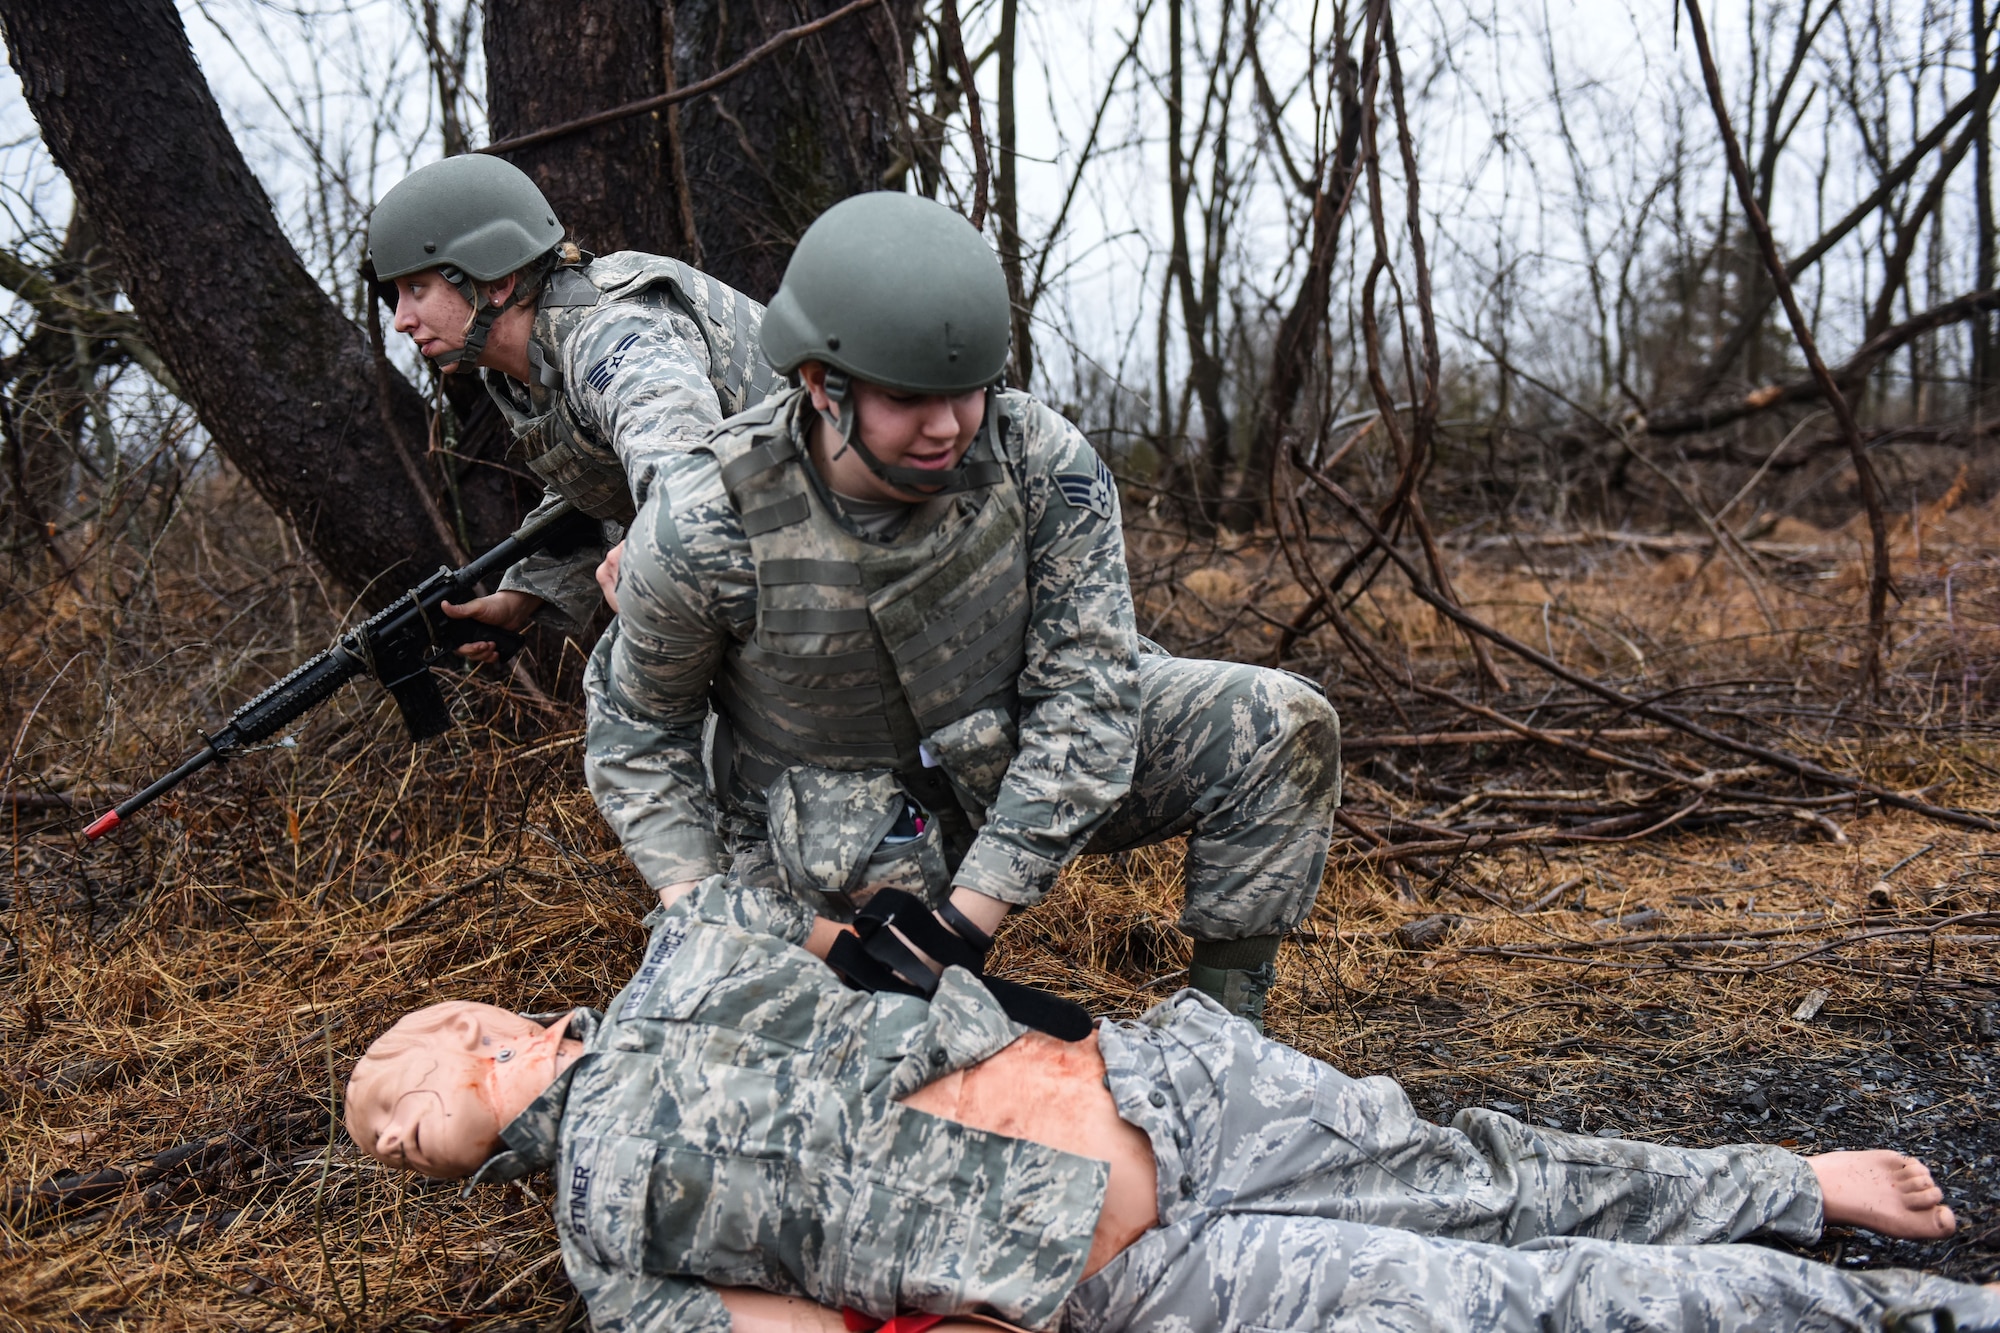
739 1118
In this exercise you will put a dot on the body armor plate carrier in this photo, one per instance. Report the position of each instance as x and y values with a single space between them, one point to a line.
565 452
903 655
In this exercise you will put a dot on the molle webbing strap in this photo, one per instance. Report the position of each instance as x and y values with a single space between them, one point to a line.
768 734
758 458
831 573
762 660
813 721
867 697
1006 632
962 617
816 620
859 728
994 689
792 509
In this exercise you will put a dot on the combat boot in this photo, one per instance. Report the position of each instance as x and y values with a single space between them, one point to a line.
1237 973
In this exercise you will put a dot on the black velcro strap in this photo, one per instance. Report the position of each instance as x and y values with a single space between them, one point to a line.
968 930
866 973
1065 1020
913 917
873 959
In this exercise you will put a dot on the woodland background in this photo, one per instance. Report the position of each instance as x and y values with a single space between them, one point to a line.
1598 402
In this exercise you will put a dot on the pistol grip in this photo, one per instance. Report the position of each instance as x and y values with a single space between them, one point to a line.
455 634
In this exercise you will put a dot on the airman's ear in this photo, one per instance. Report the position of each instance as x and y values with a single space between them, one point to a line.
813 375
501 290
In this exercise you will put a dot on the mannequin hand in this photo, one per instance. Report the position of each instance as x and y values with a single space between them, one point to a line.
607 575
510 609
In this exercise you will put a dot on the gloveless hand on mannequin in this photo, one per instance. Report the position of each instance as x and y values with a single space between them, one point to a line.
436 316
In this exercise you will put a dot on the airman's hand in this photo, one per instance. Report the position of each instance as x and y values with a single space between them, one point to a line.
607 575
510 609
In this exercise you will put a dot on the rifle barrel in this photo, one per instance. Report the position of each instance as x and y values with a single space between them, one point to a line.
317 679
125 809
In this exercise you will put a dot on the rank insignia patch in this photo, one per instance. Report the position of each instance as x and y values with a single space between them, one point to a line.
1088 490
599 375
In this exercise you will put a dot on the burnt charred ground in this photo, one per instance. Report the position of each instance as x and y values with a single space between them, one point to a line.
186 998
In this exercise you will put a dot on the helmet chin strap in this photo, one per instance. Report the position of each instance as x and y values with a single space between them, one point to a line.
476 328
845 419
484 312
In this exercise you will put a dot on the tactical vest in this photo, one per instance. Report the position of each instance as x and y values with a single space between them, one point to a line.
902 655
567 453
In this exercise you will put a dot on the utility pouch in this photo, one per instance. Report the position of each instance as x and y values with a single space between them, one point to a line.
975 752
559 449
846 836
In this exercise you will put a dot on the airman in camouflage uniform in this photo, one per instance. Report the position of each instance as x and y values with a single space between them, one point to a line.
602 368
978 644
735 1119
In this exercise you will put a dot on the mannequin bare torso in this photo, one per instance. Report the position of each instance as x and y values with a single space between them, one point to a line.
1053 1093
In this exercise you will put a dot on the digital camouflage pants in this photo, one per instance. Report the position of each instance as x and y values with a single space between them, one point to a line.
1295 1198
1245 762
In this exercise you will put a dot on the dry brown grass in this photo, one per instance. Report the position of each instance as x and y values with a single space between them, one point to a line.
207 977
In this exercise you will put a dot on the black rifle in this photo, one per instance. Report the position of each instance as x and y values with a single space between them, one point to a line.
398 645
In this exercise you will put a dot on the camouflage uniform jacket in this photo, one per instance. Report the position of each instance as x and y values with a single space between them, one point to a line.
735 1120
688 593
633 380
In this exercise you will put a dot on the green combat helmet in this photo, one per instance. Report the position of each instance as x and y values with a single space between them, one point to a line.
473 218
898 291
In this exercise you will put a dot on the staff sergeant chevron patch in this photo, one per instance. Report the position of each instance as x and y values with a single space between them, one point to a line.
1088 490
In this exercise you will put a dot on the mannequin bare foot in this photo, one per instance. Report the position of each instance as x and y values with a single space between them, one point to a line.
1884 1192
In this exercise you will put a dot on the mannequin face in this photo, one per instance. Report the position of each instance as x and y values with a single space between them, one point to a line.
434 1091
929 431
434 315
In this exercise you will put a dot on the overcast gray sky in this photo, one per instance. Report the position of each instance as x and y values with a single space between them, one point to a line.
326 90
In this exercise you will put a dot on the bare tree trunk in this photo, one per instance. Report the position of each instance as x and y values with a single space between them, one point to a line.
548 63
281 379
1198 311
764 155
1298 332
1983 349
1007 202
